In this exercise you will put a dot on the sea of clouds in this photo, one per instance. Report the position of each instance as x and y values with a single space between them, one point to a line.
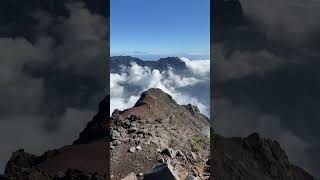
190 87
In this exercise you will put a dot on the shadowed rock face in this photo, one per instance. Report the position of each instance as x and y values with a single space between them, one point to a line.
87 158
251 158
99 127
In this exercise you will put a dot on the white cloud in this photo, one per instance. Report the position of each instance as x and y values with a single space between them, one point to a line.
198 67
178 81
243 63
291 21
127 86
75 45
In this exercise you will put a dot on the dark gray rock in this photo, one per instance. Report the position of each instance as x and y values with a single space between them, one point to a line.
190 177
161 172
251 158
169 152
132 130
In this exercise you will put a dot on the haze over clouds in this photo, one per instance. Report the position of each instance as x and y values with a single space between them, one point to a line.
266 74
52 72
188 87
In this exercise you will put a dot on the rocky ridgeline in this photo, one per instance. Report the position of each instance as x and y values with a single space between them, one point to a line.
22 166
155 139
252 158
116 63
159 139
86 159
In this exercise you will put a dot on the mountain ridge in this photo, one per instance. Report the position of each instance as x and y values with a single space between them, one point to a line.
156 128
156 137
251 158
161 64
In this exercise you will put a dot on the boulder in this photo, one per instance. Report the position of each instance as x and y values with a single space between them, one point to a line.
133 149
115 135
161 172
130 176
139 148
169 152
190 177
132 130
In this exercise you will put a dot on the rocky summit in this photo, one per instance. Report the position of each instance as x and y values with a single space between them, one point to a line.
156 139
159 139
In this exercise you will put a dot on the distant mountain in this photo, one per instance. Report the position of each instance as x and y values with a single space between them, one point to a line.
162 64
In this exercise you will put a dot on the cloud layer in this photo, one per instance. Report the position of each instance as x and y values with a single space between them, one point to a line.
127 85
266 75
52 74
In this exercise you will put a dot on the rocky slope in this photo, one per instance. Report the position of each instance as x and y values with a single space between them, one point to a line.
159 132
156 139
251 158
87 158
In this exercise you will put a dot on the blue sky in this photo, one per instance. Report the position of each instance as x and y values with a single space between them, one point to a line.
157 28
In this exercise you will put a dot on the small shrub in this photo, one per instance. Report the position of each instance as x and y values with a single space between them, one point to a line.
201 141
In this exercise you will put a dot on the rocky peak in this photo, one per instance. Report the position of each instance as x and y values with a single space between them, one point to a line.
19 159
252 158
192 109
155 95
160 138
155 104
270 150
174 62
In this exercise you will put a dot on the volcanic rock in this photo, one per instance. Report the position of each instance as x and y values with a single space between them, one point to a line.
190 177
161 172
85 159
169 152
158 122
251 158
131 176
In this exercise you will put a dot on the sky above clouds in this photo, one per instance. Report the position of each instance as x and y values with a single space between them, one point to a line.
153 29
